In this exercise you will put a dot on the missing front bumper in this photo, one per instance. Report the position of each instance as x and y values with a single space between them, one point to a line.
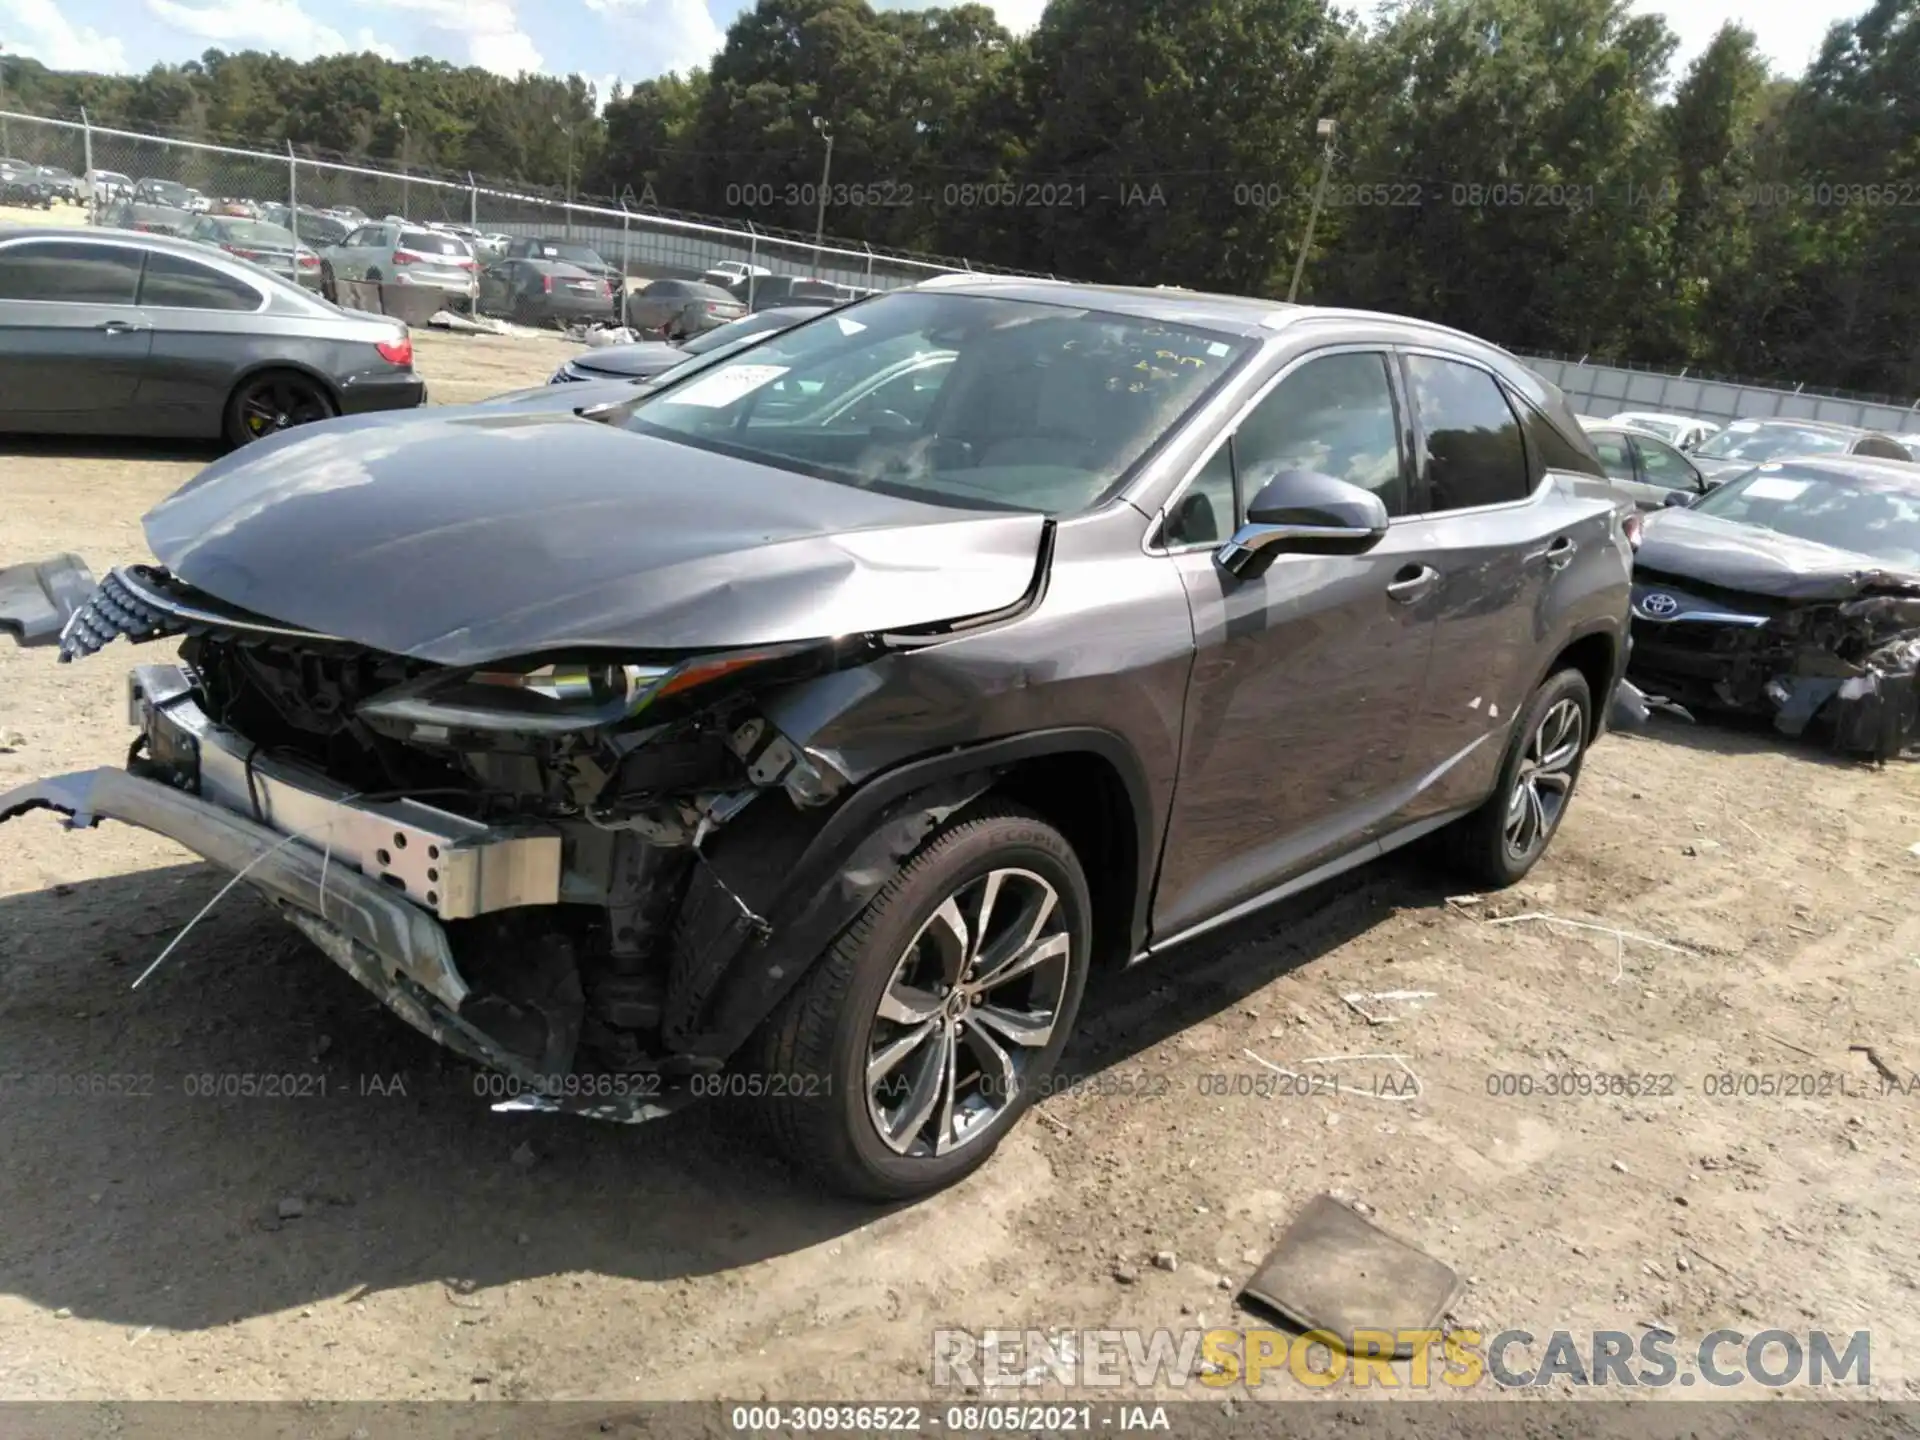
408 942
452 866
390 945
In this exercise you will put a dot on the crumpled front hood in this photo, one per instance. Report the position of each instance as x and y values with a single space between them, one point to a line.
469 535
1737 556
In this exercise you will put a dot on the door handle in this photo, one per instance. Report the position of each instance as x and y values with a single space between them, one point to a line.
1560 552
1413 583
118 327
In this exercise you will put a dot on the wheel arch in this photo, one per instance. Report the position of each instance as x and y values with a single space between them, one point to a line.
1598 653
774 889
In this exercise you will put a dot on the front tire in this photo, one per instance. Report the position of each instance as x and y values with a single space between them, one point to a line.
916 1043
1505 838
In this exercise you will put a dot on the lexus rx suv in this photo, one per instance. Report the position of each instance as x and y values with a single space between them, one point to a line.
819 724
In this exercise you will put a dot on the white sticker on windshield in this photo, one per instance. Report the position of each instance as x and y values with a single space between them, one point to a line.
1216 349
726 385
1772 487
849 327
1741 427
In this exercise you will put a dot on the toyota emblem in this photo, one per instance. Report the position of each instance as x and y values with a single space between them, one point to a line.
1659 605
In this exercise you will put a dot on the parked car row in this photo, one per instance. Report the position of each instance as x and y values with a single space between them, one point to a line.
24 183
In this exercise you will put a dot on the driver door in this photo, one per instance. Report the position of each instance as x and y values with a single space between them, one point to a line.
1307 678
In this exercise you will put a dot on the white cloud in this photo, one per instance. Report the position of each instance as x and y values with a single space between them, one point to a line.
662 35
490 29
1789 31
1019 16
37 28
278 25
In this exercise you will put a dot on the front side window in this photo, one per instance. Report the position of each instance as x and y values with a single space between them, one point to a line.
69 272
1662 465
1025 406
1474 455
1615 456
1334 415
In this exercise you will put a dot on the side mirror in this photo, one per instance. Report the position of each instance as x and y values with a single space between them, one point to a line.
1675 497
1302 512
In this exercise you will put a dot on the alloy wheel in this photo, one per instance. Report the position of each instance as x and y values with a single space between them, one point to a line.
280 402
1545 780
970 1007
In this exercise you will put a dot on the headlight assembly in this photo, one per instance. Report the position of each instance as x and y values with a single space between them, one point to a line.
558 696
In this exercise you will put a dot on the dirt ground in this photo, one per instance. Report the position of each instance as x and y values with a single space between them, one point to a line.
442 1251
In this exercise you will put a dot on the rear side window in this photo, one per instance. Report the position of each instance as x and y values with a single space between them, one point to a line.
69 272
1548 447
181 284
1474 454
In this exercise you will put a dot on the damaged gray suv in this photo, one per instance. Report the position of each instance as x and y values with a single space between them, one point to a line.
813 728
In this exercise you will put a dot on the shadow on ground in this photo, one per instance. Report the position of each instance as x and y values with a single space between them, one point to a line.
118 1161
1726 734
107 447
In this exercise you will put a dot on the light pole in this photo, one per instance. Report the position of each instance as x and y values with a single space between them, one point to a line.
400 119
567 214
6 145
826 174
1325 130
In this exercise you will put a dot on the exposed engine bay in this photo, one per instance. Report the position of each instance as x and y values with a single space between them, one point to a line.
566 822
1847 668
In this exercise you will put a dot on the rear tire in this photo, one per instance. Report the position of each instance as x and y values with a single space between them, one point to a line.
1500 842
271 401
853 1098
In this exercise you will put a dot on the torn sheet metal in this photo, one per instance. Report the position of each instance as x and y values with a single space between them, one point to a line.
1847 670
1633 708
38 598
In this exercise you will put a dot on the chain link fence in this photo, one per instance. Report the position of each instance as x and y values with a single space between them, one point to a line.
644 242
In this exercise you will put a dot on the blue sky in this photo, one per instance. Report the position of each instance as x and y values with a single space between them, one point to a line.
603 40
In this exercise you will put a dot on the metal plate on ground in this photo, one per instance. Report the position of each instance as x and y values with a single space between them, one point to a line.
1335 1271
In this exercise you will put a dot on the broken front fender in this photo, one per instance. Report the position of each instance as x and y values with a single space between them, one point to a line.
38 598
